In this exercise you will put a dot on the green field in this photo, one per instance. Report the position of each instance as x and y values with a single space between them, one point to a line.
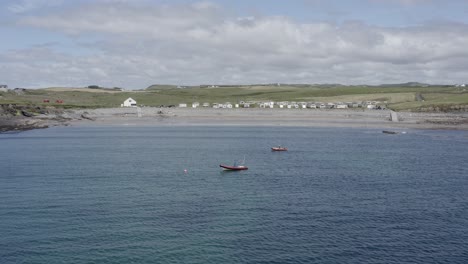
413 98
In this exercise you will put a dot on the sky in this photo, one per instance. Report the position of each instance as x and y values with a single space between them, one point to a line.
136 43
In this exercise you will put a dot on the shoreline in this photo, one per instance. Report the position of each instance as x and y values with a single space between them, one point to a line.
274 117
154 116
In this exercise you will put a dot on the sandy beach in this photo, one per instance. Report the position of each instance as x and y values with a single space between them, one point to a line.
272 117
153 116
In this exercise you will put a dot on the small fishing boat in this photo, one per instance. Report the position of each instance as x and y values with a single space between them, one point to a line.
234 168
389 132
279 148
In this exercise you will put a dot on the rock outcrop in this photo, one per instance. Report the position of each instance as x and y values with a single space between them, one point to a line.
15 117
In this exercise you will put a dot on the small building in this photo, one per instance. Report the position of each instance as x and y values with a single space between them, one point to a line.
225 105
282 104
4 86
195 105
182 105
206 104
129 103
266 104
19 91
341 106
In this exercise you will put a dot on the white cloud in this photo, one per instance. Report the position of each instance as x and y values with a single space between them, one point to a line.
406 2
191 44
24 6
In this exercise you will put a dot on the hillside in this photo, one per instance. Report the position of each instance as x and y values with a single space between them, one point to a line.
398 97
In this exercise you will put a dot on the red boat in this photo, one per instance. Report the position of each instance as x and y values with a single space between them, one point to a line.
279 149
234 168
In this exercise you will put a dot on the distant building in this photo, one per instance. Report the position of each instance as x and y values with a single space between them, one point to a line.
182 105
19 91
129 103
3 86
341 106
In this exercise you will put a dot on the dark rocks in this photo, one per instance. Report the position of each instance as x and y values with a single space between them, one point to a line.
85 116
26 113
15 117
18 124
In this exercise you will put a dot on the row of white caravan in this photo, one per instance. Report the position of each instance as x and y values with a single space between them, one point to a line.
288 105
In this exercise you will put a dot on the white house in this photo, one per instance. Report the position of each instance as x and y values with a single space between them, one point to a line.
182 105
129 103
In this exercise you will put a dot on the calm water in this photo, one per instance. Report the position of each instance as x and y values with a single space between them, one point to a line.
120 195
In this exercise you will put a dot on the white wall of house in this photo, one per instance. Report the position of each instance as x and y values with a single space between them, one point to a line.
129 103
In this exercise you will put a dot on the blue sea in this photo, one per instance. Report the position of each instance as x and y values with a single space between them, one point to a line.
141 194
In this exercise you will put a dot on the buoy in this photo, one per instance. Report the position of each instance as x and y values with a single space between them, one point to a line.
185 170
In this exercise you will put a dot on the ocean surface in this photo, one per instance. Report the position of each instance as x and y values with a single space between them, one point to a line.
130 194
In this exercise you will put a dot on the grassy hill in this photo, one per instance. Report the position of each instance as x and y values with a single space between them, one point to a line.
399 97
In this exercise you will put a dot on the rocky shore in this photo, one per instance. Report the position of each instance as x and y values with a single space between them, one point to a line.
18 118
26 117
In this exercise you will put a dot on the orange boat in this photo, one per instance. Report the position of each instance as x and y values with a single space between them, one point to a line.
279 148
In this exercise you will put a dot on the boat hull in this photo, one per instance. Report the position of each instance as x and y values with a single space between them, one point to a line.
279 149
233 168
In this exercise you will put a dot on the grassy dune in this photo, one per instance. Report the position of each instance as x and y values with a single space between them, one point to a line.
412 98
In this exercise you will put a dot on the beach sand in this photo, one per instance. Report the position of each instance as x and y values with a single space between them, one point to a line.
272 117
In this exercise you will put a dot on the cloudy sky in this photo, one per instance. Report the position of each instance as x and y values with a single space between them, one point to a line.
136 43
